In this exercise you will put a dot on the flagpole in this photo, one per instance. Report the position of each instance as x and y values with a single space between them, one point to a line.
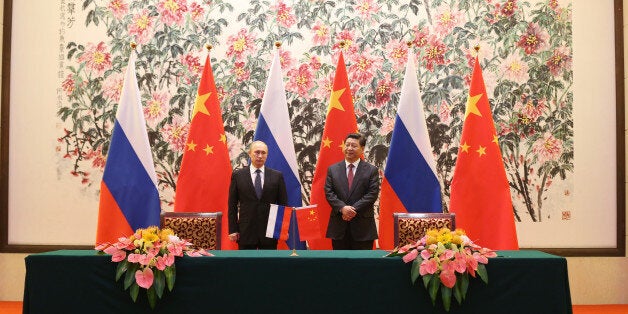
294 238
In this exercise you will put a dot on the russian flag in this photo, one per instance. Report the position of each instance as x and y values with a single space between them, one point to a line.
278 222
129 199
410 182
273 128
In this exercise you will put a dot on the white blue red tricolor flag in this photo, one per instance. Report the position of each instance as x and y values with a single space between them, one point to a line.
410 183
273 128
278 222
128 196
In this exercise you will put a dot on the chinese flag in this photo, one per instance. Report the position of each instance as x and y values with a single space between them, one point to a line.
203 184
480 194
308 221
340 121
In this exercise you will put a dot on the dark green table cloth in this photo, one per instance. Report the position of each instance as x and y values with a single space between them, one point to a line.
275 282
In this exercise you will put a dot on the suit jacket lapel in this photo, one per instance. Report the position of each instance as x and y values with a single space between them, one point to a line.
249 181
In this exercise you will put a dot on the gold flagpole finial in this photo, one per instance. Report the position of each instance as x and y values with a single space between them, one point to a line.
208 47
409 43
342 44
277 44
133 45
476 48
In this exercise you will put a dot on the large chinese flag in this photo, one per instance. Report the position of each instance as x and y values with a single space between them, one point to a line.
340 121
129 198
480 195
203 184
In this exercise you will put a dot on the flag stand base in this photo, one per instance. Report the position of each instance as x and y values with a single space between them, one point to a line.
294 253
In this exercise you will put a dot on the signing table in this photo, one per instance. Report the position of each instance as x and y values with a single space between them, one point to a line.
275 282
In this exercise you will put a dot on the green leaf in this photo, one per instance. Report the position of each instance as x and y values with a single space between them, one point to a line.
464 285
170 273
426 280
135 290
446 295
152 297
433 289
482 272
122 267
458 291
414 271
159 282
130 275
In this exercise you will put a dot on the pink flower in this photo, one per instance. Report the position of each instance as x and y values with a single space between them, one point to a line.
160 263
420 37
176 133
410 256
560 61
156 108
446 255
144 278
325 85
350 48
68 85
119 8
196 11
141 27
112 86
171 11
366 8
96 58
102 246
285 17
286 60
362 69
240 45
534 40
398 53
515 69
134 258
315 63
426 254
428 266
547 148
434 53
301 80
145 259
118 256
480 258
472 265
446 19
321 34
460 263
240 72
448 278
385 87
192 67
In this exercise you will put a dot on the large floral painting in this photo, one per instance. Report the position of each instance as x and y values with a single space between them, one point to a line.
525 53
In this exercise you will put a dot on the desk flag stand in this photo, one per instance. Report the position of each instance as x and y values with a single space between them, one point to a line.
294 229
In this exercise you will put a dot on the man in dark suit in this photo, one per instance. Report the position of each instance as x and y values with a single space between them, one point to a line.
351 188
252 190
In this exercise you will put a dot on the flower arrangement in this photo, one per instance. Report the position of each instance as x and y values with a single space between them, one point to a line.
146 259
445 259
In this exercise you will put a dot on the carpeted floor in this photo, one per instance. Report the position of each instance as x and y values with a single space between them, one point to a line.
15 307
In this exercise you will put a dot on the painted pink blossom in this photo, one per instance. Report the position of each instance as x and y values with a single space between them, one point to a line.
192 66
96 58
144 278
240 71
534 40
249 123
141 27
286 60
68 84
529 109
175 134
363 67
285 17
397 52
315 63
112 87
434 53
560 61
98 160
366 9
240 45
325 85
321 34
446 19
385 88
547 148
300 80
172 11
515 69
156 108
347 38
196 12
444 112
119 8
420 36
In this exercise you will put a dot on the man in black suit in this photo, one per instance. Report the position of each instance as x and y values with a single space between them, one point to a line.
252 190
351 189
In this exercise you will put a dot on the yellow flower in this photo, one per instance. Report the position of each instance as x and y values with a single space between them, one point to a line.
456 239
165 233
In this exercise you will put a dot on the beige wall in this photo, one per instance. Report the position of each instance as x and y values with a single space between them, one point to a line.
604 285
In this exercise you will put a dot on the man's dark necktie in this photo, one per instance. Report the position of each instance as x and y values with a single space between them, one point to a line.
258 183
350 175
